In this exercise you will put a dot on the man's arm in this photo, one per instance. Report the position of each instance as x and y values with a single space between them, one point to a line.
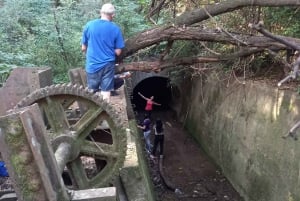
83 48
141 127
125 75
118 52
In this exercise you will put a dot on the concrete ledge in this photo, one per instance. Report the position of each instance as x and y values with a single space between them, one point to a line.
98 194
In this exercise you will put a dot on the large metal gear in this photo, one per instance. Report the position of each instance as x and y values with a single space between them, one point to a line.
76 116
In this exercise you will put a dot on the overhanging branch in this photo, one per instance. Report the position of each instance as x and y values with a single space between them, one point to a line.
259 27
156 66
169 33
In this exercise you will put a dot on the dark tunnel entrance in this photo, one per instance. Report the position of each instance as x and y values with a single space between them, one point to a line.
156 86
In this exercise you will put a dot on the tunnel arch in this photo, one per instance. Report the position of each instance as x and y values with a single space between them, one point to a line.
157 86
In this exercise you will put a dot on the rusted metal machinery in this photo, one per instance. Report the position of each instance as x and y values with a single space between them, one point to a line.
55 149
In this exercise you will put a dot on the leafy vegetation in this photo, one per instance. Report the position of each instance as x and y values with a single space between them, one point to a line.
40 33
282 20
48 33
4 73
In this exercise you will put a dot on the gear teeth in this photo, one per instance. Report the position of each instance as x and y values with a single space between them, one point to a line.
67 90
51 90
20 104
87 93
43 92
74 89
64 85
81 91
98 100
28 99
61 88
95 98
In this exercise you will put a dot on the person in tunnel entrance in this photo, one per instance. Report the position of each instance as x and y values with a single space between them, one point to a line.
158 139
149 104
146 127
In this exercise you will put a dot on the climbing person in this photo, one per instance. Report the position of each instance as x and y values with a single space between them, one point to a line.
102 41
119 81
158 139
149 104
145 126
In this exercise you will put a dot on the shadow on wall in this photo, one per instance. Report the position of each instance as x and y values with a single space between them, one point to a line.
159 87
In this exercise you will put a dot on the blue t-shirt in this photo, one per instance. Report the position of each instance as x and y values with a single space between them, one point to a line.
101 37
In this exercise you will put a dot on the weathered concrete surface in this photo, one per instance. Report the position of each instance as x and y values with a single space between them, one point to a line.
20 83
98 194
29 157
241 129
134 175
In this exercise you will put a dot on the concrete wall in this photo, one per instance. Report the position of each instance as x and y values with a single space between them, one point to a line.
241 128
138 76
21 82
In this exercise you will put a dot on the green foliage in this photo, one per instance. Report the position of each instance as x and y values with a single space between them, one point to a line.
35 33
283 20
4 73
130 17
178 74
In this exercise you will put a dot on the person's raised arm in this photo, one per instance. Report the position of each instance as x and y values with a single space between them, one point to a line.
141 127
83 48
142 96
155 103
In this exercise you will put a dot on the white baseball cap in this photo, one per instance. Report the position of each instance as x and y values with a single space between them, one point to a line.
108 8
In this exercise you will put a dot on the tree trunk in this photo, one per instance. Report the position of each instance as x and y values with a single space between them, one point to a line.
179 30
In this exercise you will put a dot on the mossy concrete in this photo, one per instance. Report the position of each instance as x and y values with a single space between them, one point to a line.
241 126
135 175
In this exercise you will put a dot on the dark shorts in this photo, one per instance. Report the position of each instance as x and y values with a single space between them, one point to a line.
103 80
118 83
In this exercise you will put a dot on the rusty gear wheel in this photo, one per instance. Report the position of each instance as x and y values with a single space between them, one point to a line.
72 112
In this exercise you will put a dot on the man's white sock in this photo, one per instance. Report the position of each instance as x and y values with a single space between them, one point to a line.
105 95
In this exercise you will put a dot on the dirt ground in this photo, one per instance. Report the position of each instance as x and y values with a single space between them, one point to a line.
187 168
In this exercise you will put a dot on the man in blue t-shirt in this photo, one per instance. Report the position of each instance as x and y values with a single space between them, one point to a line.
102 41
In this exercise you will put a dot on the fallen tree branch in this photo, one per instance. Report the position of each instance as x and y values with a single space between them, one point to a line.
156 66
177 29
169 33
259 27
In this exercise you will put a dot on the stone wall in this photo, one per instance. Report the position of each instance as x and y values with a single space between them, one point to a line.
21 82
240 126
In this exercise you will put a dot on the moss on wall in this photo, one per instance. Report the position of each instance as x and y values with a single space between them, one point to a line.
241 128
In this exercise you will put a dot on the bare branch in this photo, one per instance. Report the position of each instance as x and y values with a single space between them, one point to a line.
178 29
259 27
159 34
199 15
156 66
